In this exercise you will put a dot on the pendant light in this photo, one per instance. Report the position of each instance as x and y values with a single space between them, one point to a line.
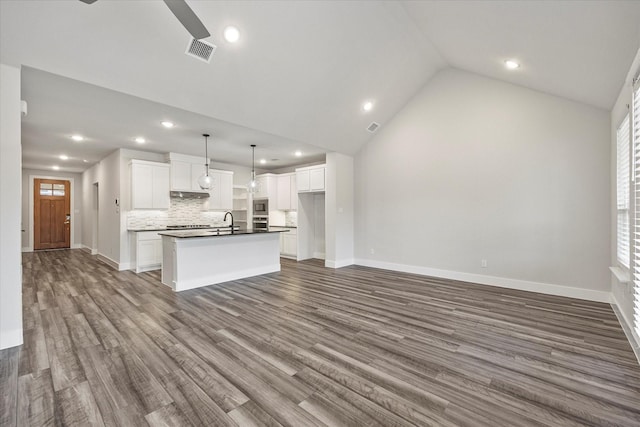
253 186
205 180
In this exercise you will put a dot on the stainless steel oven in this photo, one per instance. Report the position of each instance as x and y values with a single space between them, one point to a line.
261 207
260 222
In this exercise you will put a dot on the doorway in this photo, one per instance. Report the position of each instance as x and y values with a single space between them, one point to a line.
51 214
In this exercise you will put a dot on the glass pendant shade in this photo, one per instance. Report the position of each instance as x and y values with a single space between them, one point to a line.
205 182
252 187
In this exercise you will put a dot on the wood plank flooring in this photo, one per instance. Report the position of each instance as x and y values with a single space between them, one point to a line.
308 346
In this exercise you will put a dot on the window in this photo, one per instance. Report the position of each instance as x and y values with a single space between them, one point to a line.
635 134
622 168
47 189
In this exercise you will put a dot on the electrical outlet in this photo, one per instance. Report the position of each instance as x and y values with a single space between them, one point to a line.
373 251
483 263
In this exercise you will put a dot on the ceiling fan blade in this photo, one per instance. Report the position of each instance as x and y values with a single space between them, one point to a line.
88 1
188 18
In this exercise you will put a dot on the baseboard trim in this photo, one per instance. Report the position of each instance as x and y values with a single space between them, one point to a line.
76 246
125 266
338 263
89 250
318 255
27 249
502 282
106 260
627 327
11 338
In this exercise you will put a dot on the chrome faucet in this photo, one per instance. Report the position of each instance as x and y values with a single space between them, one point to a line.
225 218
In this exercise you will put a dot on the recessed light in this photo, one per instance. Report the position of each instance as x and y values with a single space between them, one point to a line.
77 138
231 34
55 167
511 64
167 124
85 161
263 161
64 157
140 140
298 153
367 106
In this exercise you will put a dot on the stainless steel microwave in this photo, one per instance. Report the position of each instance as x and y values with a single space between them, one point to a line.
261 207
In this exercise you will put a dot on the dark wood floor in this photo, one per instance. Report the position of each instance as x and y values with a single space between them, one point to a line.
309 346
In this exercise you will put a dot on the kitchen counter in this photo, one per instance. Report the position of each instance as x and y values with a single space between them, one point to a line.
187 234
163 228
196 258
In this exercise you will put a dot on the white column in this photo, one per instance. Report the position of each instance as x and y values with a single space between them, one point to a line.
10 209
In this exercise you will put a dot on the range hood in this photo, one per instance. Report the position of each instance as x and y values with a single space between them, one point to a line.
188 194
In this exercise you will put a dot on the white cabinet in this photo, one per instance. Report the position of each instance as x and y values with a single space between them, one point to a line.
267 188
287 194
311 179
180 176
317 179
147 251
185 171
289 243
221 193
149 185
303 177
293 194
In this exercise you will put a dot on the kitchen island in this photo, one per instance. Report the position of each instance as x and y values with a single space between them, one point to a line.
195 258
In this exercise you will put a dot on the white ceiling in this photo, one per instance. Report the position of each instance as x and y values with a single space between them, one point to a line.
299 74
59 107
581 50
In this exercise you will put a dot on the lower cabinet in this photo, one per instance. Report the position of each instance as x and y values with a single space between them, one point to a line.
289 243
147 251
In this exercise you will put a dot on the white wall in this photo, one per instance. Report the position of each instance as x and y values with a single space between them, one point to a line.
319 225
107 174
89 206
10 165
622 292
474 168
339 210
241 174
311 226
27 204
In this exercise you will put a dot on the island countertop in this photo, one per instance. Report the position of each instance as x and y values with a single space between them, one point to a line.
194 258
188 234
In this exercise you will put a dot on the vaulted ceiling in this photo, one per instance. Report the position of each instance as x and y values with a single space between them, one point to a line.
301 70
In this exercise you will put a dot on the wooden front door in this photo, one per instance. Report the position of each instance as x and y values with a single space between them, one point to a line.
52 214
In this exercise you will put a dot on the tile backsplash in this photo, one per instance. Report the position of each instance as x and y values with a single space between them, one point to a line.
291 219
180 212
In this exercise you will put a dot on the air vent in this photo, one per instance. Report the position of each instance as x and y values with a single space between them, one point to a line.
373 127
201 50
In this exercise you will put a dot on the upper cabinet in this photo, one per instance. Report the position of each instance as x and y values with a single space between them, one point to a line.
221 192
311 179
266 188
287 199
185 171
149 185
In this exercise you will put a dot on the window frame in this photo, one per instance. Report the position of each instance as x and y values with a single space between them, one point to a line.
628 147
